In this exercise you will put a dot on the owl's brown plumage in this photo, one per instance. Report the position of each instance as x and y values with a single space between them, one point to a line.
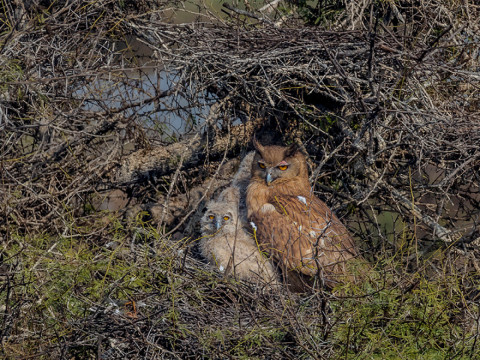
300 232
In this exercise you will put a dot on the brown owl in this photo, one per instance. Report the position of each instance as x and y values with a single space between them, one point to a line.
299 231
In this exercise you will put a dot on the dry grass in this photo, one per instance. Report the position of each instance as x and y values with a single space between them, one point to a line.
382 95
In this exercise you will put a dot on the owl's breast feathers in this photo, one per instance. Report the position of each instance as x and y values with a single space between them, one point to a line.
299 230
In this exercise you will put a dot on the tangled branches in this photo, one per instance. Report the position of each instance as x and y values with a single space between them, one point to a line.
113 97
396 99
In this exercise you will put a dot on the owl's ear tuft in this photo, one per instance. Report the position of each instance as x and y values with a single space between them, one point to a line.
292 150
256 144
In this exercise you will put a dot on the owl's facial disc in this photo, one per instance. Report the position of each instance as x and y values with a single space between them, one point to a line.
273 173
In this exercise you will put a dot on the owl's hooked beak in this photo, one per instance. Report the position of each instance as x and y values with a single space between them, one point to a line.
218 224
268 178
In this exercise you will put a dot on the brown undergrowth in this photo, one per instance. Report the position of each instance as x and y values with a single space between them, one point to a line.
117 125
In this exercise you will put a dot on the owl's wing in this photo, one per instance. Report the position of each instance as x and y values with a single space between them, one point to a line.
304 234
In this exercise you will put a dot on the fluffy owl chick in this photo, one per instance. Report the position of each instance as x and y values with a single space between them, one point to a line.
228 245
295 227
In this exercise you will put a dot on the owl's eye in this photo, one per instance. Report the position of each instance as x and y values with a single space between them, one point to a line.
283 167
226 217
211 217
262 165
